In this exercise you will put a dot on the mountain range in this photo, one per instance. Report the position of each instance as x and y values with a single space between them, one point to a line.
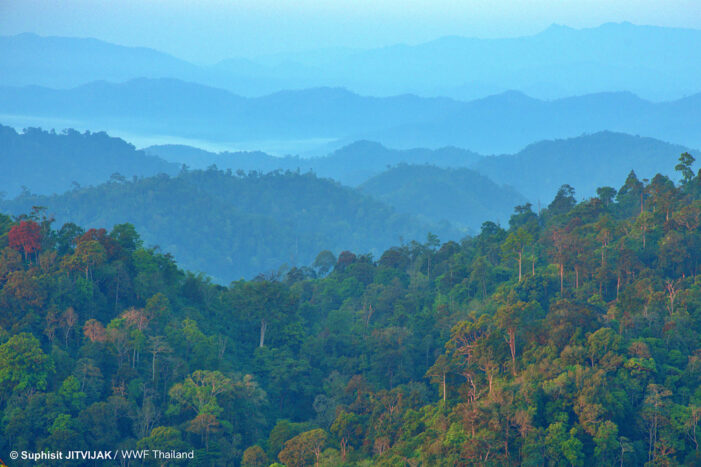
536 171
557 62
315 121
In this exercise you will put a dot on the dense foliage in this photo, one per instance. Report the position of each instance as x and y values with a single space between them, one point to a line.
49 162
571 336
585 162
537 171
351 164
234 225
462 197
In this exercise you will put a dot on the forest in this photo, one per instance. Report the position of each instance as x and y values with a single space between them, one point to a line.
235 224
569 336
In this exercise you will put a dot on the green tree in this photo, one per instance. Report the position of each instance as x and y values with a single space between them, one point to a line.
686 161
200 391
23 365
324 262
254 456
303 448
515 245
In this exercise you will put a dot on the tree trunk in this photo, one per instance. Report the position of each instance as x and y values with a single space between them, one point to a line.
562 273
444 388
154 367
512 347
116 294
263 326
344 444
520 254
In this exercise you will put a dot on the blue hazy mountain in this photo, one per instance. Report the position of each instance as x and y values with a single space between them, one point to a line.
585 162
361 160
64 62
656 63
46 162
178 108
502 123
352 164
507 122
462 197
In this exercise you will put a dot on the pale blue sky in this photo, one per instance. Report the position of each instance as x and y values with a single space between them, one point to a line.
205 31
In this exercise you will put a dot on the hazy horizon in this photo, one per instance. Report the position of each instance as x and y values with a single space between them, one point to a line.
210 31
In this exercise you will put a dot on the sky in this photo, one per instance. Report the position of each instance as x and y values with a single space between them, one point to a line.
205 31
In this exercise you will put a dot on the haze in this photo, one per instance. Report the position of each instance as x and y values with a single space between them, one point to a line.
211 30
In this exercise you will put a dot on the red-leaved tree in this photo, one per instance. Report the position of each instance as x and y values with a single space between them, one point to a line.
25 237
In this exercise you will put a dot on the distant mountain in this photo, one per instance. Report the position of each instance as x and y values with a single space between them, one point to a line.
355 163
537 171
46 162
177 108
63 62
197 158
233 226
304 119
557 62
352 164
509 121
462 197
585 162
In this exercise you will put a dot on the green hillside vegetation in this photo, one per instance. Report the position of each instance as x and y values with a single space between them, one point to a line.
351 164
461 196
585 162
537 171
572 337
355 163
47 162
234 225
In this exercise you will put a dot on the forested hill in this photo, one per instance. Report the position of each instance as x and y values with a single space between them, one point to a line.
537 171
238 225
585 162
462 197
46 162
572 337
351 164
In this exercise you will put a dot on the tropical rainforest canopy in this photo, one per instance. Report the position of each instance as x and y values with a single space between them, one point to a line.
571 335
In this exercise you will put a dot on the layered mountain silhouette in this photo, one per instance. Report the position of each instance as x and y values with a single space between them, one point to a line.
327 118
655 62
537 171
47 162
461 197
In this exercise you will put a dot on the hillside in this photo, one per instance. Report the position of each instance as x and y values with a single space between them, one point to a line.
352 164
357 162
585 162
232 226
536 171
46 162
431 354
505 123
460 196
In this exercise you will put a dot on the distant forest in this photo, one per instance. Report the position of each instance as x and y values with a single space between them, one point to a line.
238 225
569 336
